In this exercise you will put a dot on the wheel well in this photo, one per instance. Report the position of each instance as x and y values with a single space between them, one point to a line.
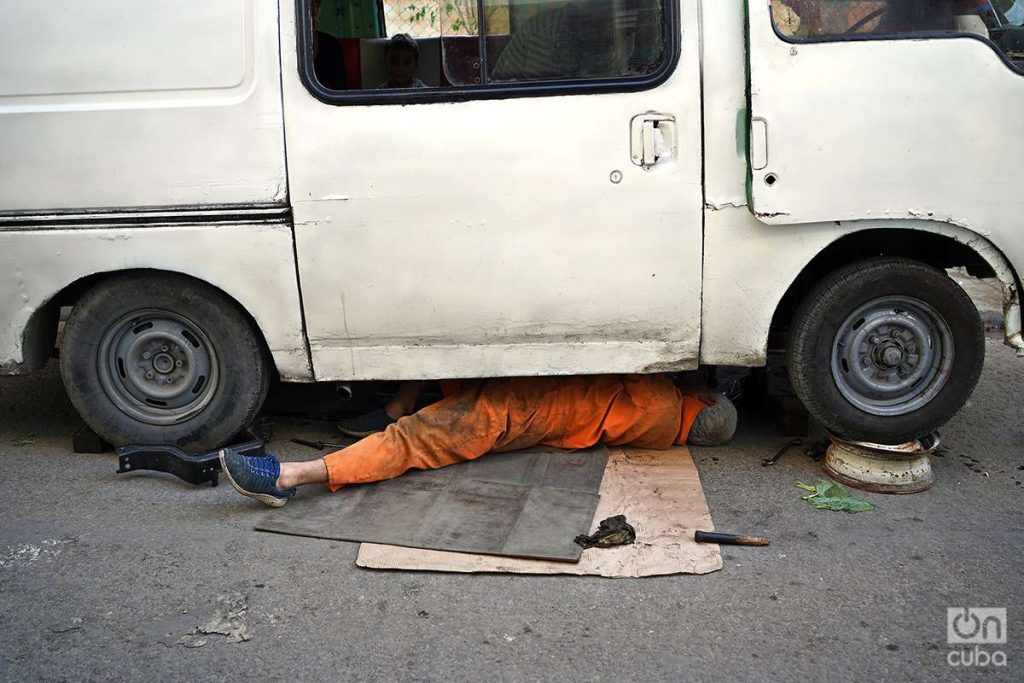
936 250
40 336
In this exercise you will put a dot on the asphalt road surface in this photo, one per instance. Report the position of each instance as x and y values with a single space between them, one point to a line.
104 576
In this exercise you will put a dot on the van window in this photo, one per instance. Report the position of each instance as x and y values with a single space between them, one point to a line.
427 19
998 21
417 45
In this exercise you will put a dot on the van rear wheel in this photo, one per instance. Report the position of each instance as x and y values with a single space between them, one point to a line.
162 359
886 350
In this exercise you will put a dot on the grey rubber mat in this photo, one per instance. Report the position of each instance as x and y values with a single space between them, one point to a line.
525 504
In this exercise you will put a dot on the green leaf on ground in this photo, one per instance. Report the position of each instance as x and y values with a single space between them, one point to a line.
23 440
828 495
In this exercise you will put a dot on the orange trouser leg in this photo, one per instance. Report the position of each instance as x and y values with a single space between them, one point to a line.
502 414
512 414
460 427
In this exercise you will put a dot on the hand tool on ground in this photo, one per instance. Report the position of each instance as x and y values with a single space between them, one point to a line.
728 539
319 445
766 462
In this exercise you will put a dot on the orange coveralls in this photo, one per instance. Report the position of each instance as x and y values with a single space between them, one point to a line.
508 414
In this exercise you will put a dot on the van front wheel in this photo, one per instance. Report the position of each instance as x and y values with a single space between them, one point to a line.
162 359
886 350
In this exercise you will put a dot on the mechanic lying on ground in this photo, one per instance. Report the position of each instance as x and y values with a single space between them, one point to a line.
500 415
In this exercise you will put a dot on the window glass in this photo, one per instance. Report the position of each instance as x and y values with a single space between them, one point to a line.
1000 21
433 18
578 39
1012 11
444 43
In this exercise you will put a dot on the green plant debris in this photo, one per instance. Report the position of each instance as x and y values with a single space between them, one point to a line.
23 440
828 495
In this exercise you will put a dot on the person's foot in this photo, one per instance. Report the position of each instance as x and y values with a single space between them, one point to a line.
255 477
372 422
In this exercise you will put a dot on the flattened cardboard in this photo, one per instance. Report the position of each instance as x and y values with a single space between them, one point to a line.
661 496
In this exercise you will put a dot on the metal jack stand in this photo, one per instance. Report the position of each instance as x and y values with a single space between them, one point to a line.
195 469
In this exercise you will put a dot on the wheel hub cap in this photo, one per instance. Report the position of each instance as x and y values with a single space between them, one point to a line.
892 356
164 363
157 367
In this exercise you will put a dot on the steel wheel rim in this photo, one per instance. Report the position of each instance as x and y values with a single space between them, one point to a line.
892 356
157 367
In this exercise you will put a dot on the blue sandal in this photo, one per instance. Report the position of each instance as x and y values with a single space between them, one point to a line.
255 477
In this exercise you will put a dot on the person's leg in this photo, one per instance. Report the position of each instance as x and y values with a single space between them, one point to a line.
494 416
267 479
404 401
504 414
255 476
401 404
461 427
295 474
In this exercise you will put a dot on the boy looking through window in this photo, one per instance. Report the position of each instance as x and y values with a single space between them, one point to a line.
402 56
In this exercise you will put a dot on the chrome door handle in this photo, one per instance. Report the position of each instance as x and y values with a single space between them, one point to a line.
652 138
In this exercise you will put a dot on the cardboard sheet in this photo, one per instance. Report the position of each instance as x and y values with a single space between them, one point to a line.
661 496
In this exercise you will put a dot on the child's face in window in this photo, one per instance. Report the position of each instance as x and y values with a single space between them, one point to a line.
401 66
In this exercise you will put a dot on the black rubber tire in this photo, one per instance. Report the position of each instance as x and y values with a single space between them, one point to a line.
827 306
243 365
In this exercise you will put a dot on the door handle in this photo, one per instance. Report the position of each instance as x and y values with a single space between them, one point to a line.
758 144
652 138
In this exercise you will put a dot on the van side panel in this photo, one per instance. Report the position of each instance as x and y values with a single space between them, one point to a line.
120 104
252 263
748 263
924 129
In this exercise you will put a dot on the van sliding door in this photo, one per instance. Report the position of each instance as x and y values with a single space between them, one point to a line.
512 194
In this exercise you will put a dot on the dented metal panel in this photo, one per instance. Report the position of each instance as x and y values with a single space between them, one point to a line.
741 293
749 264
252 263
724 65
497 237
925 132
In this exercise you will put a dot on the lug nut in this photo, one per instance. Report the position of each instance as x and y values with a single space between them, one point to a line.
164 348
149 375
178 363
875 340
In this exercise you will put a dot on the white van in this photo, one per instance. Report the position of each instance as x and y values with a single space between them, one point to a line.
226 191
